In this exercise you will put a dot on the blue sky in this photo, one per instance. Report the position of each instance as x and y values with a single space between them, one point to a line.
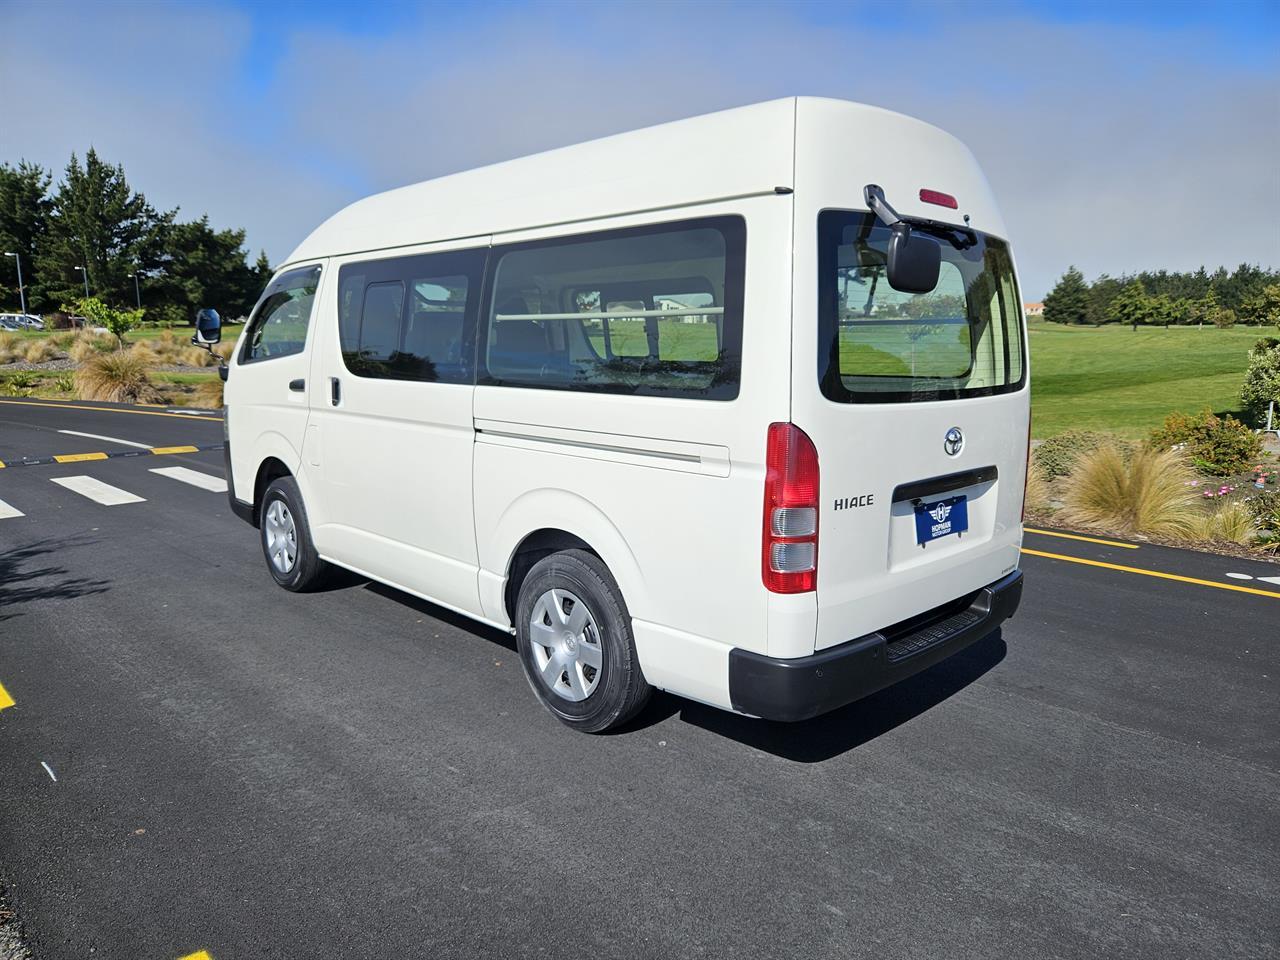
1102 126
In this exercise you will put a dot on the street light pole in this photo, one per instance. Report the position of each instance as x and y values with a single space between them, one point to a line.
85 272
137 294
22 291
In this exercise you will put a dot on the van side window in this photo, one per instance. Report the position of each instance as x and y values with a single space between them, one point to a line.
654 310
410 318
278 327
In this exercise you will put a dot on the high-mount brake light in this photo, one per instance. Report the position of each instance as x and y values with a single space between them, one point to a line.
940 198
789 561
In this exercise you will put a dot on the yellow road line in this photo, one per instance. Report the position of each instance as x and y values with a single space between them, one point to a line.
175 449
1074 536
139 413
78 457
5 699
198 955
1153 573
1 464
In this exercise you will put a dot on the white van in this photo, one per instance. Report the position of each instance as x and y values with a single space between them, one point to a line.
734 407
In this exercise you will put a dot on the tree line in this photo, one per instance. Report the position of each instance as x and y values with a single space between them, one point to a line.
93 222
1249 294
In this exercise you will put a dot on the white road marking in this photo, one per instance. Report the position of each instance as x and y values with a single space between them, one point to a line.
7 511
98 491
98 436
1275 580
1239 576
192 413
194 477
49 770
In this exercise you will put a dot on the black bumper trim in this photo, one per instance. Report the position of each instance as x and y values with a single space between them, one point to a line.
790 690
241 509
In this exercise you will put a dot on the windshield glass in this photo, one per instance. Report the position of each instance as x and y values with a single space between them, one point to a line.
876 344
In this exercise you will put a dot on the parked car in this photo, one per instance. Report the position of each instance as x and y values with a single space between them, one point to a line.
598 421
10 321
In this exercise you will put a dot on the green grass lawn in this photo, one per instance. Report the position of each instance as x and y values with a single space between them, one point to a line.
229 332
1112 378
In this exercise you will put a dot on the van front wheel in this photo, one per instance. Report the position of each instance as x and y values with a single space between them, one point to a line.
574 635
286 538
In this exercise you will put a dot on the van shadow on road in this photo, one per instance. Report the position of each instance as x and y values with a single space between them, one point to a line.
835 733
811 741
21 583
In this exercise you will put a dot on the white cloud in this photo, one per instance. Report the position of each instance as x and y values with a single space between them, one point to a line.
1115 148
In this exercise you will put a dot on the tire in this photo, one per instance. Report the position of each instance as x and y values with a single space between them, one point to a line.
283 524
593 627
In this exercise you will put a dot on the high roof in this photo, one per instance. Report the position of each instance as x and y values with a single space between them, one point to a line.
734 153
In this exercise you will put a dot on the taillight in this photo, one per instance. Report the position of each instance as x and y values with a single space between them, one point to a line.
790 555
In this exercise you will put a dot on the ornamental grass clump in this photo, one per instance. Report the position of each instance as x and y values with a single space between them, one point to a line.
119 376
39 350
1038 492
1148 492
209 395
1232 522
10 347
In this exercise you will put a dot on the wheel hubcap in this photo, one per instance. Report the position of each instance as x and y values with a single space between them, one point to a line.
566 645
281 535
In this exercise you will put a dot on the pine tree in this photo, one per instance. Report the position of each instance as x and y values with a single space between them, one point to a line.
97 222
24 217
1068 301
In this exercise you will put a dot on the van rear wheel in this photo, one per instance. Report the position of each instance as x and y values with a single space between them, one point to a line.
574 636
286 539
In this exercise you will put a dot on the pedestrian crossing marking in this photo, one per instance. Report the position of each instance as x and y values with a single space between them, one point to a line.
7 511
98 491
194 477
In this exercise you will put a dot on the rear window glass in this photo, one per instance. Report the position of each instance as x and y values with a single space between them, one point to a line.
963 338
647 311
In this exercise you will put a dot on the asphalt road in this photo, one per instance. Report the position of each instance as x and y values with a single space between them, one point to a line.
359 774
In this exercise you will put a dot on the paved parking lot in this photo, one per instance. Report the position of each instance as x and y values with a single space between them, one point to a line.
359 774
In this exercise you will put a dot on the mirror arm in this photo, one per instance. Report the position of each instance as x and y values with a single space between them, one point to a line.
874 197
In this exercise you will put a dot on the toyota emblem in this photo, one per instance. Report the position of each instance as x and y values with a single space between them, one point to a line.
953 442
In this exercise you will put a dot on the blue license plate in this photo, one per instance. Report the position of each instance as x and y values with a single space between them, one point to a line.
941 519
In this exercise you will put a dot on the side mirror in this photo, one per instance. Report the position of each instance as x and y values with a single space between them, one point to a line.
914 260
208 328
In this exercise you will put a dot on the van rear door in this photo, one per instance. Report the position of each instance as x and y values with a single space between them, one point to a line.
919 418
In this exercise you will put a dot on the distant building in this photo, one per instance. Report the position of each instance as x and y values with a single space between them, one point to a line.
1033 309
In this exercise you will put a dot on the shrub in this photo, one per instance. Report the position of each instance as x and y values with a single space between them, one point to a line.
1056 455
1264 507
1231 521
39 350
1262 380
57 321
117 376
1220 446
65 383
118 322
1148 492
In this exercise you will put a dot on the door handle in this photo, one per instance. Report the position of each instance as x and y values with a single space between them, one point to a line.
297 385
335 391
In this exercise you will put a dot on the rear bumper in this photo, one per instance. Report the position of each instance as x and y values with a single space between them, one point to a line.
804 687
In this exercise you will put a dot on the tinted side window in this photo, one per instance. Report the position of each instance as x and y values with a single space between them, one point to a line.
654 310
278 327
411 318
